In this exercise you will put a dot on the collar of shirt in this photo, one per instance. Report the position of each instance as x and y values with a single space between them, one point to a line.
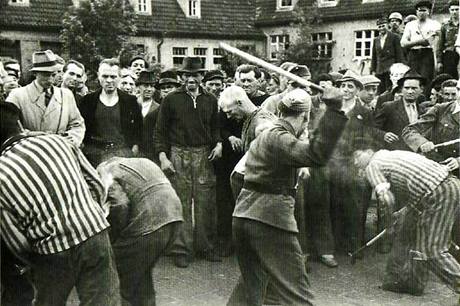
38 86
457 108
146 107
348 109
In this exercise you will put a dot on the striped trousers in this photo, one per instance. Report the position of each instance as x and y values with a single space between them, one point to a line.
422 241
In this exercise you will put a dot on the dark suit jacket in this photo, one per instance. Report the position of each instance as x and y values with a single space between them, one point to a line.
383 58
438 125
392 117
130 116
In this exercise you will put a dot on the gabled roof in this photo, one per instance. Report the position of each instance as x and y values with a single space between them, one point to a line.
219 18
266 13
44 15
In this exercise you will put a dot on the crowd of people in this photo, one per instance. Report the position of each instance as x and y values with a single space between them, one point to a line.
96 185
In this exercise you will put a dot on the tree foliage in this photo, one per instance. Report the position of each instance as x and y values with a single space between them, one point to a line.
97 29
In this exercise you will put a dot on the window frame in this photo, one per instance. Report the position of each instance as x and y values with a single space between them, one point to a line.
177 55
363 39
147 4
323 41
275 47
327 3
194 5
281 7
19 2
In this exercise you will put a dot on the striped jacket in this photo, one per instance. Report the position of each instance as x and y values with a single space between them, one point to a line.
407 173
48 196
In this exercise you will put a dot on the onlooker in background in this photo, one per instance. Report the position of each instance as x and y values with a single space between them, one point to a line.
81 87
127 81
138 64
213 81
273 86
437 83
446 56
395 20
9 83
248 78
45 107
168 82
447 93
113 118
59 71
264 79
386 51
73 75
144 216
420 37
368 94
187 140
12 67
394 116
397 71
149 109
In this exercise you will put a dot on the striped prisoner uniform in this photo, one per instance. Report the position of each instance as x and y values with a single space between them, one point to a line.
46 206
423 240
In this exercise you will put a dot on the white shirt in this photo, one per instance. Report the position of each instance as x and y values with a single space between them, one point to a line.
146 108
416 30
411 111
457 108
382 40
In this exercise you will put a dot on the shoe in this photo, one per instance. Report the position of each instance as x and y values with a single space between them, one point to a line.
400 288
210 256
181 261
329 260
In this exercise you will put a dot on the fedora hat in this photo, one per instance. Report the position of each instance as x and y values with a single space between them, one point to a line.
44 61
411 75
146 77
168 77
191 65
213 74
351 76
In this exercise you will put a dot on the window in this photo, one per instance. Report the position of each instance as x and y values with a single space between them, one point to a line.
284 4
278 43
143 6
322 43
363 43
178 55
218 56
372 1
19 2
327 3
140 49
194 8
201 53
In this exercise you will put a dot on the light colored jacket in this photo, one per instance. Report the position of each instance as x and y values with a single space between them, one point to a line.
60 117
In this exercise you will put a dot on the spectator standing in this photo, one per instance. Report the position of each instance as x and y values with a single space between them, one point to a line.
395 20
45 107
420 37
213 82
127 81
397 71
187 140
168 82
368 95
73 72
447 57
137 64
386 51
113 118
248 78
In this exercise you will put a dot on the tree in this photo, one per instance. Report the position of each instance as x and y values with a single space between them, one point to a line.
302 50
97 29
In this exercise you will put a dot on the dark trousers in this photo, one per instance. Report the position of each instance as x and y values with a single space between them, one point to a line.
194 182
89 267
350 201
318 211
268 255
15 288
422 61
97 154
135 260
450 63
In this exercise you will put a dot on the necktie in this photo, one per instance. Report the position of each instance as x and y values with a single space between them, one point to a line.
48 95
412 112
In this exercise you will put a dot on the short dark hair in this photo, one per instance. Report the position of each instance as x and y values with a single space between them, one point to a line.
449 83
76 63
324 77
110 61
246 68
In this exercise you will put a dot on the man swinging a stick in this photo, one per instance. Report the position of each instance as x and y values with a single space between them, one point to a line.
423 234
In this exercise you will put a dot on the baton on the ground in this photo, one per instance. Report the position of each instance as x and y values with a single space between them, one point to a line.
447 143
260 62
368 244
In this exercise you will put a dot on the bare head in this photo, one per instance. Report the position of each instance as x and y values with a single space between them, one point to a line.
234 102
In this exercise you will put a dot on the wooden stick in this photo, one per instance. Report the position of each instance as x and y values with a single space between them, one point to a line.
447 143
260 62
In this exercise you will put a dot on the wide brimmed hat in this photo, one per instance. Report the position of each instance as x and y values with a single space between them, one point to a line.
146 77
213 74
411 75
395 15
423 3
351 76
168 77
191 65
44 61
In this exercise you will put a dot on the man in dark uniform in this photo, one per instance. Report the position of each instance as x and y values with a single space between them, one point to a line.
264 227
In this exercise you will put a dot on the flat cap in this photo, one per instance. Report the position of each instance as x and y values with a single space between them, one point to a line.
369 80
297 100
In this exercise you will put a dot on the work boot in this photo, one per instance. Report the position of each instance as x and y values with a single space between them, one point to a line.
182 261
